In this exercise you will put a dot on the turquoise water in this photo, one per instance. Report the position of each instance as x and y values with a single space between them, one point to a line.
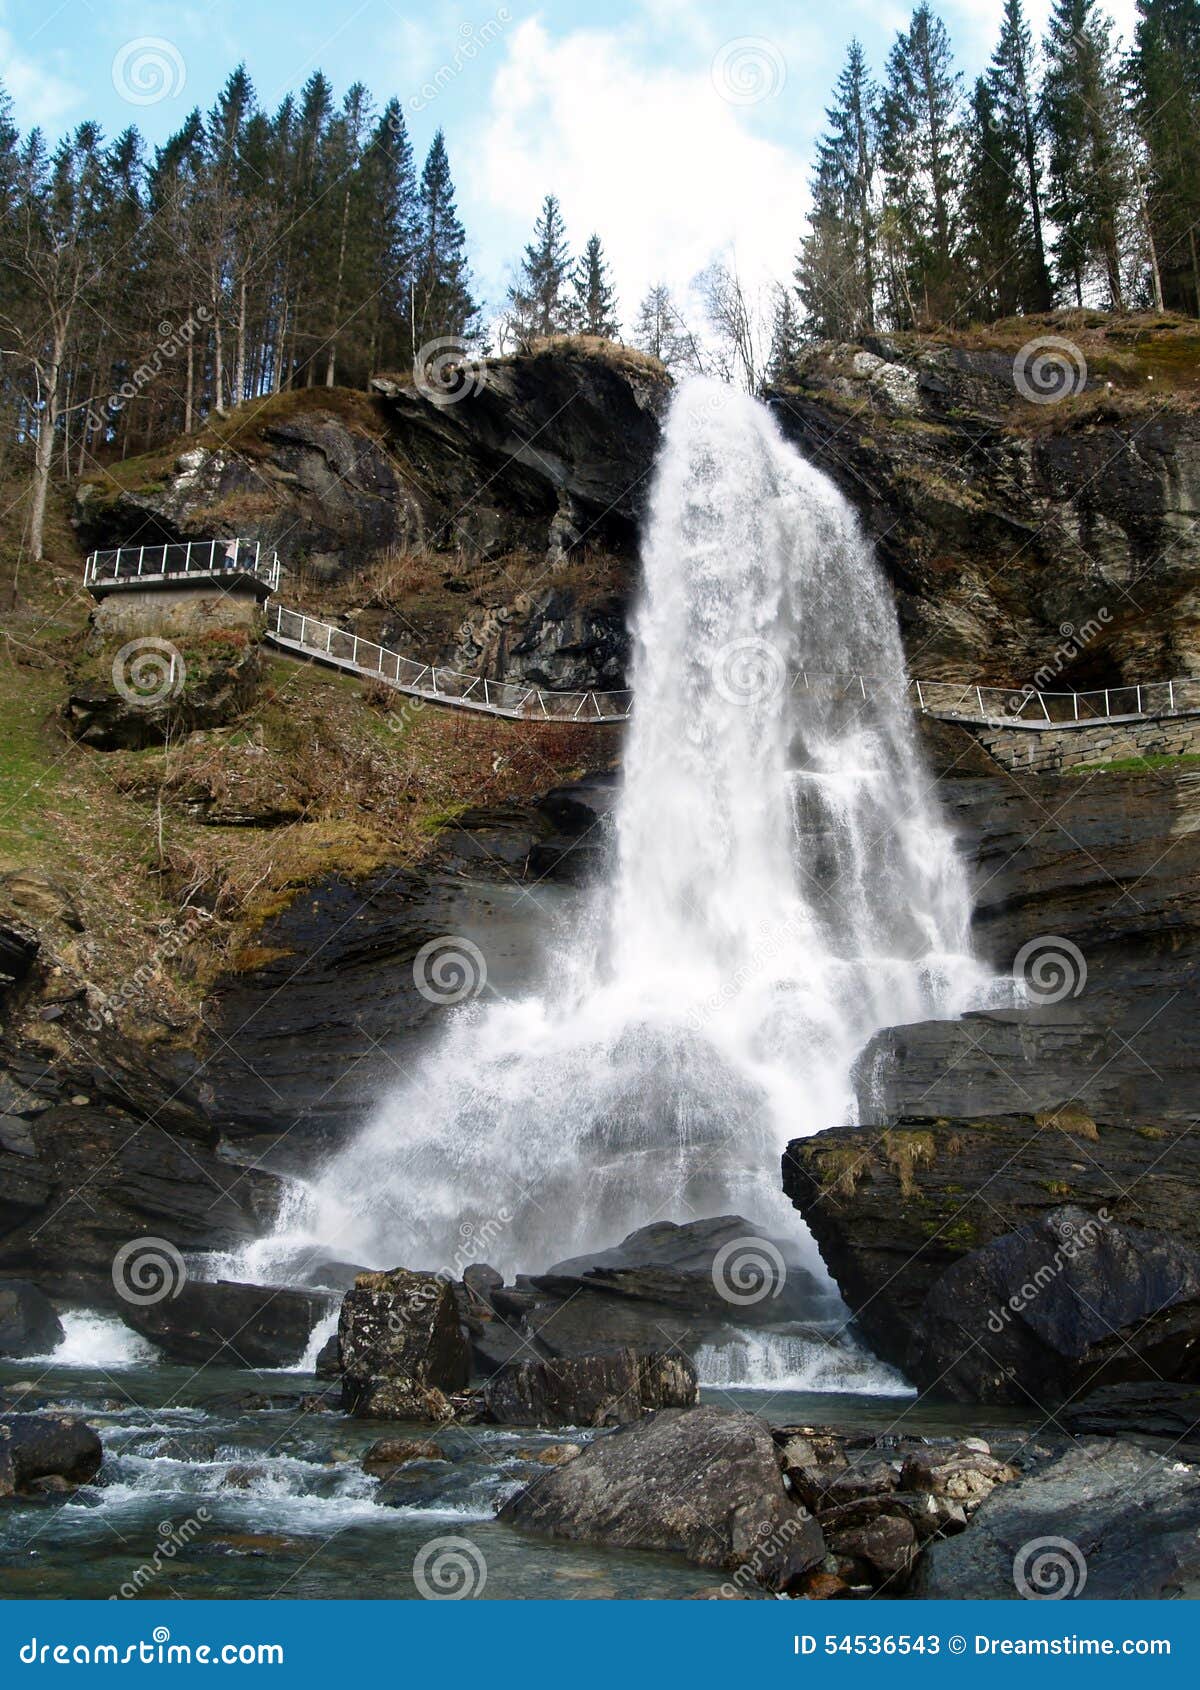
222 1484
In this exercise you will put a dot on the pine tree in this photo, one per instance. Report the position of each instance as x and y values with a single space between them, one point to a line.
444 307
836 268
392 204
993 206
1165 74
1081 110
920 150
662 332
1011 83
594 307
786 338
538 302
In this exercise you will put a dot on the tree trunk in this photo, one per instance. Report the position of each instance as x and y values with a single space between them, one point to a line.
43 455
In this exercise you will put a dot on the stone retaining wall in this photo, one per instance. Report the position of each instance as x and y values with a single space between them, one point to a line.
1050 750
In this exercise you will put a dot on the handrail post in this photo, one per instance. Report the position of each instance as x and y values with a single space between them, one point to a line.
1139 699
1107 711
1171 694
141 555
187 558
920 697
979 699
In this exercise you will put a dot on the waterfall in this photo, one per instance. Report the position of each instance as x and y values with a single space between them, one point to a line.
783 887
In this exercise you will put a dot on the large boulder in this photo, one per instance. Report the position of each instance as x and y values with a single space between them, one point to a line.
1066 1303
401 1345
893 1208
1105 1520
664 1282
607 1389
229 1324
46 1451
704 1483
29 1323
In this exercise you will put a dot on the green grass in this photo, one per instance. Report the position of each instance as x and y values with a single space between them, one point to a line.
1139 765
33 763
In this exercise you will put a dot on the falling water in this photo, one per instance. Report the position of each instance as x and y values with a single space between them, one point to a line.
783 888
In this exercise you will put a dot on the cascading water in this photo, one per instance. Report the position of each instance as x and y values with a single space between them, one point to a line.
783 888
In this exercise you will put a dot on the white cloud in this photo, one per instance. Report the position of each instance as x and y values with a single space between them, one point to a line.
668 172
39 96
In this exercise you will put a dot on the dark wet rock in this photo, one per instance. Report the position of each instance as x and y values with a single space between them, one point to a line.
1142 1409
592 1390
29 1323
228 1324
329 1359
34 1447
100 1179
701 1482
887 1544
880 1498
309 1041
402 1347
1104 1520
893 1209
1066 1303
659 1283
386 1454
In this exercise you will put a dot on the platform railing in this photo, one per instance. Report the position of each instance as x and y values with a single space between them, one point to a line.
127 566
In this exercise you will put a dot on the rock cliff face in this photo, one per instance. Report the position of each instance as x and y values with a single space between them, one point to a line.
1024 538
508 516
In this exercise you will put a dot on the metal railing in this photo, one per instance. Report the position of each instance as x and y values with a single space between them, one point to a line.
1016 706
294 630
130 565
988 706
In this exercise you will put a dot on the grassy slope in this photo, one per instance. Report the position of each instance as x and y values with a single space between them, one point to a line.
373 780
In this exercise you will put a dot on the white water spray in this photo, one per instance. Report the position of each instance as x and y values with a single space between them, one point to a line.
784 888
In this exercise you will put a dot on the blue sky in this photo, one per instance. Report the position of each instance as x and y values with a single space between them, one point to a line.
679 129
